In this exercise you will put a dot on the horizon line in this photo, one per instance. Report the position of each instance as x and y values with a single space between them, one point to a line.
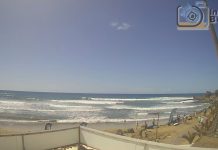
102 92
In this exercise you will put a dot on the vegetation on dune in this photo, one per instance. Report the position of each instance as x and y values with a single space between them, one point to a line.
208 128
199 130
205 126
190 137
119 132
142 133
208 96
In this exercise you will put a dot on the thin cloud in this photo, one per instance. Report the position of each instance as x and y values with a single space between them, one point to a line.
114 24
120 26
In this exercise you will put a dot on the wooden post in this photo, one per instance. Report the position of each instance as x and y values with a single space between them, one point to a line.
79 138
23 142
157 126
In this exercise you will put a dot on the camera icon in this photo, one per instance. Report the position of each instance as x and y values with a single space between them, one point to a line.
193 17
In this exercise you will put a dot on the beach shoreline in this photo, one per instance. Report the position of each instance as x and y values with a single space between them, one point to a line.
29 127
22 127
166 134
131 127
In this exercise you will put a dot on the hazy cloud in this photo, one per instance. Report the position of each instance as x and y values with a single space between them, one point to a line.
120 26
114 24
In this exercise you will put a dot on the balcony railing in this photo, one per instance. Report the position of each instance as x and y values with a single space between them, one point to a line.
82 135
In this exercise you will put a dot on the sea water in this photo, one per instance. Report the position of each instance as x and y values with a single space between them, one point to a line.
79 107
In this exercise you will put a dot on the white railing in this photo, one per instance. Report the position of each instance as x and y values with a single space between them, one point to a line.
107 141
40 140
11 143
81 135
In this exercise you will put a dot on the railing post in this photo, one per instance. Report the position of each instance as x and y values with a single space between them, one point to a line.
23 142
79 139
146 147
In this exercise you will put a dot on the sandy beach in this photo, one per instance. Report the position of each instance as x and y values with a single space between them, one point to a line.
28 127
166 134
7 127
174 134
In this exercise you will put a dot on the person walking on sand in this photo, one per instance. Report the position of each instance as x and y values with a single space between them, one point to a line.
184 118
146 125
178 119
153 122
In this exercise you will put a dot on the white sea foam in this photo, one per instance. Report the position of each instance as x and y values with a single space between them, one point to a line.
96 102
12 108
69 106
31 98
103 119
142 114
49 110
21 121
75 108
79 110
91 109
151 108
179 102
168 112
11 102
43 107
142 99
10 105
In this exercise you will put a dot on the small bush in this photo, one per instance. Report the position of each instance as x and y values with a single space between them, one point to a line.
119 132
189 137
130 130
199 130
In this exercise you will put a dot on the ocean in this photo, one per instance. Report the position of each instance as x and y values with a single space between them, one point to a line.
20 106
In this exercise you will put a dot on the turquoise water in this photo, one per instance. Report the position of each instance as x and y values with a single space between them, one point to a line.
78 107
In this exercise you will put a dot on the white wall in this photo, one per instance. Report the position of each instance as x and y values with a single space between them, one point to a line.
103 141
11 143
41 140
107 141
93 138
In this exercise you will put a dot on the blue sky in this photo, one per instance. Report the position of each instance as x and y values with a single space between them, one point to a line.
114 46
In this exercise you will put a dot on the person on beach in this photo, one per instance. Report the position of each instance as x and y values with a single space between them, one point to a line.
146 125
184 118
178 119
137 124
83 124
153 122
48 126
